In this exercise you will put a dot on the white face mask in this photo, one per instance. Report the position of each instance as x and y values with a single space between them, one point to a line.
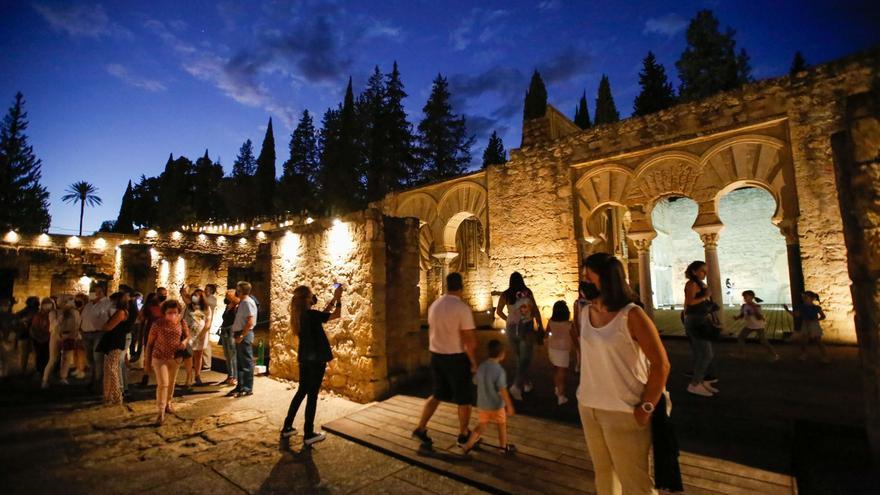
195 299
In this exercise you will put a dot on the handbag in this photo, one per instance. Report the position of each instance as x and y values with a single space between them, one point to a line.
186 352
709 328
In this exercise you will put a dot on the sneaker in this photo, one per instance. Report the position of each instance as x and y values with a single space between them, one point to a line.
527 387
79 375
44 385
199 382
515 392
422 435
244 393
463 438
233 392
700 390
710 388
509 449
288 431
561 399
314 438
64 381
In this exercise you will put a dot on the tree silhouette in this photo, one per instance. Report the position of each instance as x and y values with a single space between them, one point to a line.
494 153
536 98
709 63
582 113
657 92
798 64
24 202
83 193
444 145
606 110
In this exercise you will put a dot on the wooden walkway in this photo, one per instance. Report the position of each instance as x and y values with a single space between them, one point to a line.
552 457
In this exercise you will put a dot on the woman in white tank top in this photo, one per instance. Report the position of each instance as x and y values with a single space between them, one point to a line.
624 368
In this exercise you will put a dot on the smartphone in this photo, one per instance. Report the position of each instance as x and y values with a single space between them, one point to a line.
336 286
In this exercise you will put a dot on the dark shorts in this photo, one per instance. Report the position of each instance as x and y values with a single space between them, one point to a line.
451 374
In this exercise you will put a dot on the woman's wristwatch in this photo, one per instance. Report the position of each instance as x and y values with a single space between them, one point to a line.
646 406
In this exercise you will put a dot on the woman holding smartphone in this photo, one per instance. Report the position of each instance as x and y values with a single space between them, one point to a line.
313 355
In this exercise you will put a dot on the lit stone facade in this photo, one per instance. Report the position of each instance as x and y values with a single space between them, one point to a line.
567 192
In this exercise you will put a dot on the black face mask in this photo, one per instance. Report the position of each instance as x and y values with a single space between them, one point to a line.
589 290
225 300
161 298
314 299
78 304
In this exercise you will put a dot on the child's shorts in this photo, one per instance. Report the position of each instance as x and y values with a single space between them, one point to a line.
498 416
559 357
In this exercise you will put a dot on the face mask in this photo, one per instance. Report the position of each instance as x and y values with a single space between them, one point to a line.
314 299
46 307
162 298
195 299
225 300
589 290
78 303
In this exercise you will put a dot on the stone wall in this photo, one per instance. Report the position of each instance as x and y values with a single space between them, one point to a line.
352 252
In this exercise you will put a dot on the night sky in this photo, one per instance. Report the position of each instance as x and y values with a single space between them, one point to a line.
113 88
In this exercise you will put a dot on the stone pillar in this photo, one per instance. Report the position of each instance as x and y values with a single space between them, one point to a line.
446 258
795 270
709 236
642 242
856 152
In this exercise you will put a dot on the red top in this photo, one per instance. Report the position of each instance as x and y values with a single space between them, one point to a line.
165 338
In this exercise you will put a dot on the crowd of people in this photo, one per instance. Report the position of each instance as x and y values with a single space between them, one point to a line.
102 337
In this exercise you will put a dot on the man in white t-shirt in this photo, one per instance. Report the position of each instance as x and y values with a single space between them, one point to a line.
452 343
94 315
243 331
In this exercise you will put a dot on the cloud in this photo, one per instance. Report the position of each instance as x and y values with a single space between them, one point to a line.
548 5
481 26
81 21
235 76
120 72
668 25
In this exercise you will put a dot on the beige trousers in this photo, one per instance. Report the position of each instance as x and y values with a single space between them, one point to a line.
620 450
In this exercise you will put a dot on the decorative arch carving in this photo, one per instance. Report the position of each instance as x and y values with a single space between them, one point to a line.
419 205
665 174
607 184
461 201
426 245
745 161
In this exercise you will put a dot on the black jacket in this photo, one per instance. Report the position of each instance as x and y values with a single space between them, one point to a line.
667 473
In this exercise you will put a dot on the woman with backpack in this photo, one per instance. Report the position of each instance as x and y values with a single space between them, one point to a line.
521 316
698 309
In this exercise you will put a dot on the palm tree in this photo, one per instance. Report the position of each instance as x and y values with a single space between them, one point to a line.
81 192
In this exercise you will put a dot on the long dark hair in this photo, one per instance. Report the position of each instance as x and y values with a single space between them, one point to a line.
613 288
691 272
560 312
515 285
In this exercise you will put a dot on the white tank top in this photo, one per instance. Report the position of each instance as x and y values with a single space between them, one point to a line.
614 370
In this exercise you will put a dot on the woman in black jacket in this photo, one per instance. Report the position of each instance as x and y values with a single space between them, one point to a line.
313 355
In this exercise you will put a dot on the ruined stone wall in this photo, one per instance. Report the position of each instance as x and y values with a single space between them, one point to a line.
318 255
531 218
46 265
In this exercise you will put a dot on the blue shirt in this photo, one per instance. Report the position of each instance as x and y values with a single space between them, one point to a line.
809 312
246 308
490 379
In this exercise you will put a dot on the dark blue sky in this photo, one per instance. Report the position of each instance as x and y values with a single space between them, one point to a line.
113 88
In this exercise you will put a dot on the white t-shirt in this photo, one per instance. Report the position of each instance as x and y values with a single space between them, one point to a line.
96 314
560 335
752 316
447 317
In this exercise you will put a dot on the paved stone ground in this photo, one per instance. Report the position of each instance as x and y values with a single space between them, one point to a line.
63 441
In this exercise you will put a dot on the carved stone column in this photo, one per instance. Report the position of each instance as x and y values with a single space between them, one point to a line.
642 241
445 258
709 236
795 270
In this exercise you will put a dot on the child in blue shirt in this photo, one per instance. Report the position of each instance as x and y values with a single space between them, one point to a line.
493 401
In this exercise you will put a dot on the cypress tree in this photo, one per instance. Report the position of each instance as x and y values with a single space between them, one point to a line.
798 64
709 63
494 154
402 166
125 219
299 180
245 164
656 93
206 180
606 111
24 202
371 112
242 195
536 98
582 113
145 197
265 174
444 146
341 163
174 194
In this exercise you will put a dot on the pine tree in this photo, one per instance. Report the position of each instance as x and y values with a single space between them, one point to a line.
582 113
444 146
402 166
606 111
125 219
245 164
174 202
145 198
798 64
536 98
341 158
299 178
265 174
657 92
371 114
205 182
709 63
24 202
743 68
494 153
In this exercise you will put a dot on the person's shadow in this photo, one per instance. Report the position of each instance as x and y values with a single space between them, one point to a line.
296 472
